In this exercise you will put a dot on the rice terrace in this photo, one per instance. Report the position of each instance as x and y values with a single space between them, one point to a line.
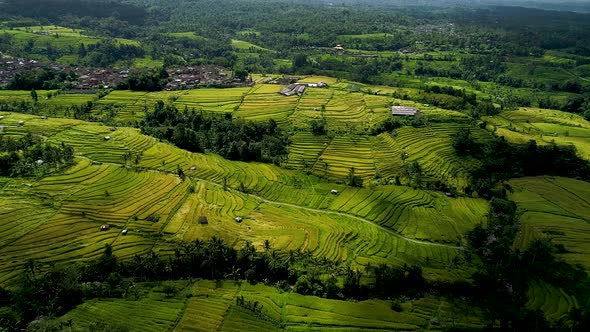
294 165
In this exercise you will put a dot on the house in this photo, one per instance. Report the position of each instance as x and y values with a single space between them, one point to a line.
238 219
404 110
124 232
300 89
289 90
334 191
203 220
1 117
338 48
44 118
105 227
21 123
106 138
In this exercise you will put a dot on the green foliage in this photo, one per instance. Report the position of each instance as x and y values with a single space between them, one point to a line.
145 80
40 79
318 127
231 138
30 156
502 161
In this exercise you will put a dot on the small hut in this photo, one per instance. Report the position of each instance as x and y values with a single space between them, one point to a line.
404 111
21 123
238 219
1 117
107 138
124 232
43 117
193 168
39 162
334 191
105 227
203 220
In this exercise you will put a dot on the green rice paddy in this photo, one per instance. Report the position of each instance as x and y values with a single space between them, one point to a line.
389 224
208 306
556 208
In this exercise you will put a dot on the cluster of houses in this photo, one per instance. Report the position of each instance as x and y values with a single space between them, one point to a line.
9 67
85 79
183 78
88 78
298 88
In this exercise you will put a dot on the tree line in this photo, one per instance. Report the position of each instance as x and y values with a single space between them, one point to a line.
502 161
234 139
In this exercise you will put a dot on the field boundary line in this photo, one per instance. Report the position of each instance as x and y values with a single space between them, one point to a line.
321 153
183 310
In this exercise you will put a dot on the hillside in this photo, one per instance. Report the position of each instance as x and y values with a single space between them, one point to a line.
271 165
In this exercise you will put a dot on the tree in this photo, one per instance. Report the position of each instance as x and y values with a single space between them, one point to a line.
318 127
34 96
299 61
241 73
82 51
354 180
137 159
180 172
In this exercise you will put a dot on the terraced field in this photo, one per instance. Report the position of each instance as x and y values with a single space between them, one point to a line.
381 156
212 306
49 105
344 153
151 312
431 147
264 102
553 301
389 224
556 208
132 105
348 114
212 100
544 126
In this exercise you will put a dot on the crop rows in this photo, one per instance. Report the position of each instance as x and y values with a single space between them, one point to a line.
265 106
344 153
347 111
211 306
558 208
553 301
212 100
89 195
305 149
431 148
545 127
141 315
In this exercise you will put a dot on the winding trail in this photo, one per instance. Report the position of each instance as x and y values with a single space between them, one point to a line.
267 201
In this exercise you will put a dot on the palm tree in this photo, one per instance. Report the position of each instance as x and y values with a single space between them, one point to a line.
267 245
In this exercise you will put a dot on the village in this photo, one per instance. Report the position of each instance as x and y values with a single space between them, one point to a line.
89 79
